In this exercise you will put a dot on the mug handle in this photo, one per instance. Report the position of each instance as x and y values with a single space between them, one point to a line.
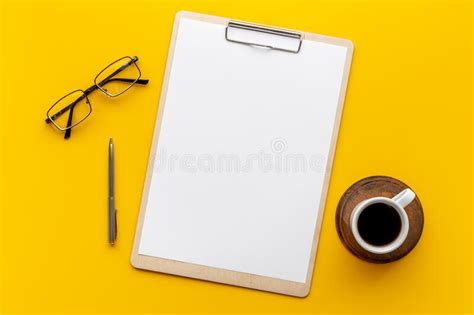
404 198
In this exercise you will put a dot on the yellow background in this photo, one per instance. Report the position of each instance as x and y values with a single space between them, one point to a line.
408 114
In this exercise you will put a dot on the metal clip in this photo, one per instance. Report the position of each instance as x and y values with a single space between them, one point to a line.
261 29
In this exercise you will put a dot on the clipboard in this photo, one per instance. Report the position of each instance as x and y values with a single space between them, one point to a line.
251 228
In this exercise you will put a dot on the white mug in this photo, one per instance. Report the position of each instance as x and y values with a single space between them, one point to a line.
399 202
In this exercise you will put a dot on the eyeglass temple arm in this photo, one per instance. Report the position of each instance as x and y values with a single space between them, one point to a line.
139 81
67 134
90 90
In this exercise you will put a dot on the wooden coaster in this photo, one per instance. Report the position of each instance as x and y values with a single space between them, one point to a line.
377 186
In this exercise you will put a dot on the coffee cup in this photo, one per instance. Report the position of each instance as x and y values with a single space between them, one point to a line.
380 225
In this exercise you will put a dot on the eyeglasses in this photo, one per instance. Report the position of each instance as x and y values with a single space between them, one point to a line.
107 81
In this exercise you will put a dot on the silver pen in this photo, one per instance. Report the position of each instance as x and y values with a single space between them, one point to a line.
112 211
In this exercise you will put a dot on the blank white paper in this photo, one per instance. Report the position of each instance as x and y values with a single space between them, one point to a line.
232 102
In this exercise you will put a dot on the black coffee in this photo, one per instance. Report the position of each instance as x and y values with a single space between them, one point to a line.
379 224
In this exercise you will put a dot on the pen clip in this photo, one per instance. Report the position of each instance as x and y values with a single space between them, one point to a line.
115 214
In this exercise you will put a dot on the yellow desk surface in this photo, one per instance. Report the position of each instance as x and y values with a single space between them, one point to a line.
408 114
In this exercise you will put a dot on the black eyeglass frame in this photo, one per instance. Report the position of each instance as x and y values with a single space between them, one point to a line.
97 86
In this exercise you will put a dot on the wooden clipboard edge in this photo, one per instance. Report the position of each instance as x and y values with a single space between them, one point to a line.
216 274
